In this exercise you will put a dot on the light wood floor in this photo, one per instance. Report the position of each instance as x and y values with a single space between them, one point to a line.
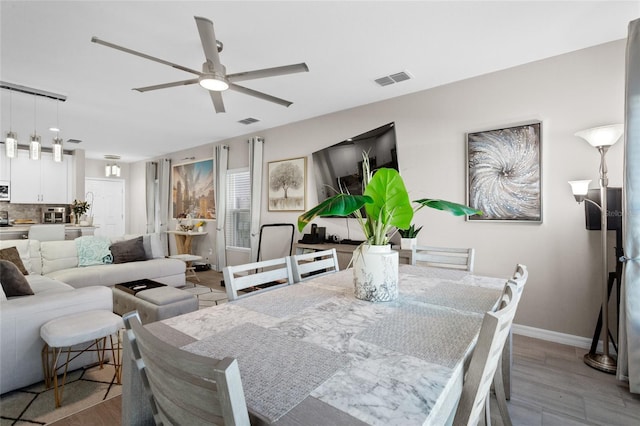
551 387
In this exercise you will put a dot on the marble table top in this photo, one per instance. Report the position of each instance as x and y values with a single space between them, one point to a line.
311 353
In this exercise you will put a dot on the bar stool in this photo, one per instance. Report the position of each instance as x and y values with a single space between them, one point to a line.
62 333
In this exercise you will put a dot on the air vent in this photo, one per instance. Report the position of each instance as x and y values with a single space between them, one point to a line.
393 78
384 81
76 141
248 121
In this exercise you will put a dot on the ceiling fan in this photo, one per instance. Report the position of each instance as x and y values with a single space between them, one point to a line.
214 75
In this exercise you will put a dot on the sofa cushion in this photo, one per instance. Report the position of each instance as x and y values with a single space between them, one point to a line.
110 275
57 255
11 254
128 251
13 281
152 244
29 253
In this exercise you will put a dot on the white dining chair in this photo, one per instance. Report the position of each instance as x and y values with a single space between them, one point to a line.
53 232
502 379
306 266
444 257
485 360
185 388
259 276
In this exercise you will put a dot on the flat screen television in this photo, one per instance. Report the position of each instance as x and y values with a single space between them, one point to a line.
338 168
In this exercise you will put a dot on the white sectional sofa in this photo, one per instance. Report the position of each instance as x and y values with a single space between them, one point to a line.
61 288
21 319
59 260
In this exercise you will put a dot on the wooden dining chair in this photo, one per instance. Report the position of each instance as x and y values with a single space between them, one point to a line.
485 360
185 388
257 276
444 257
310 265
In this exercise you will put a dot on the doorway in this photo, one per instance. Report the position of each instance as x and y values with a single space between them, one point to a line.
107 206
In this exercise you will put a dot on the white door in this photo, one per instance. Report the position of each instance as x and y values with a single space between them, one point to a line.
107 206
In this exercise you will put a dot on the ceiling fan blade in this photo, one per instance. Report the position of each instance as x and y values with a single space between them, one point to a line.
208 40
165 85
268 72
260 95
143 55
218 104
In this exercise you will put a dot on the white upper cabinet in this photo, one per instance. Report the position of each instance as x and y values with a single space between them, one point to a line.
5 165
40 181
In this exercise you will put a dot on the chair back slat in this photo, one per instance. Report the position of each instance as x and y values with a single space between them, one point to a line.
186 388
444 257
486 357
310 265
274 272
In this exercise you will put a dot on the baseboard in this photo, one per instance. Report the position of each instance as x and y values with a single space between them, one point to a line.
556 337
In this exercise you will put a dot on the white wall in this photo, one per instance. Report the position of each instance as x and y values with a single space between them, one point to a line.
567 93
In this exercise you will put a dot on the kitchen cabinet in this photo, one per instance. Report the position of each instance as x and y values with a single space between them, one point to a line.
40 181
5 166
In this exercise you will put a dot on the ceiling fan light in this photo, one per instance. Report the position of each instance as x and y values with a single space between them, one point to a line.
213 82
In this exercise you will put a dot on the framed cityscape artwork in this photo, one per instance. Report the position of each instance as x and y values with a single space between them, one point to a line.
287 184
192 190
504 174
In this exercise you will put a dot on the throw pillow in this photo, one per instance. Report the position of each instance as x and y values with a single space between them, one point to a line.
128 251
11 254
13 281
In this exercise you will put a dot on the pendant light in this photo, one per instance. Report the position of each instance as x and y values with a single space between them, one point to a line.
112 169
35 146
11 141
57 141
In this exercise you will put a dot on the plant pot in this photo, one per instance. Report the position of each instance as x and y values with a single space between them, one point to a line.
375 273
408 243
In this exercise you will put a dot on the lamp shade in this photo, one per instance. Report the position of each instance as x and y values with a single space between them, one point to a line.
603 135
579 187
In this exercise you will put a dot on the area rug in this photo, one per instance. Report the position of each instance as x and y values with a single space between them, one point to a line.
35 404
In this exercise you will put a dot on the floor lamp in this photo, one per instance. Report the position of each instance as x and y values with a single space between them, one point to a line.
600 138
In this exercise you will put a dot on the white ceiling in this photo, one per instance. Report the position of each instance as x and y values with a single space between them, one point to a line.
347 45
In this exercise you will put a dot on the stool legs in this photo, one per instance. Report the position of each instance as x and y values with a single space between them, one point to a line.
51 356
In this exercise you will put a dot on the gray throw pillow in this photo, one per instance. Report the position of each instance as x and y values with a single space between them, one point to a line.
13 281
11 254
128 251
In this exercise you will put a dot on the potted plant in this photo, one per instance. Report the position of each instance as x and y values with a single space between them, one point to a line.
409 237
79 208
386 202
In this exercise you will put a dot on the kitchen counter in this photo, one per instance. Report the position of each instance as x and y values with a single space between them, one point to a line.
21 231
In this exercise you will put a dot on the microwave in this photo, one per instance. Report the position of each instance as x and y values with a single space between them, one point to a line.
54 215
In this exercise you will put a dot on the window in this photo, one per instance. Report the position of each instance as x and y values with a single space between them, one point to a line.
238 220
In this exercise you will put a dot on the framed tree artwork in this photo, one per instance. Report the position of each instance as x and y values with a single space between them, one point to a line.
504 177
192 190
287 184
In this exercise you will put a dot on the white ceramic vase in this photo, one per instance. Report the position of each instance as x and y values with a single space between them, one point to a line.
375 273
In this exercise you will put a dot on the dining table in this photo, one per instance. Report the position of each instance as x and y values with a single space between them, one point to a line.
311 353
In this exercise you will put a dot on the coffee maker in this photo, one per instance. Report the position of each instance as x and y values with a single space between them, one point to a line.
317 236
4 218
